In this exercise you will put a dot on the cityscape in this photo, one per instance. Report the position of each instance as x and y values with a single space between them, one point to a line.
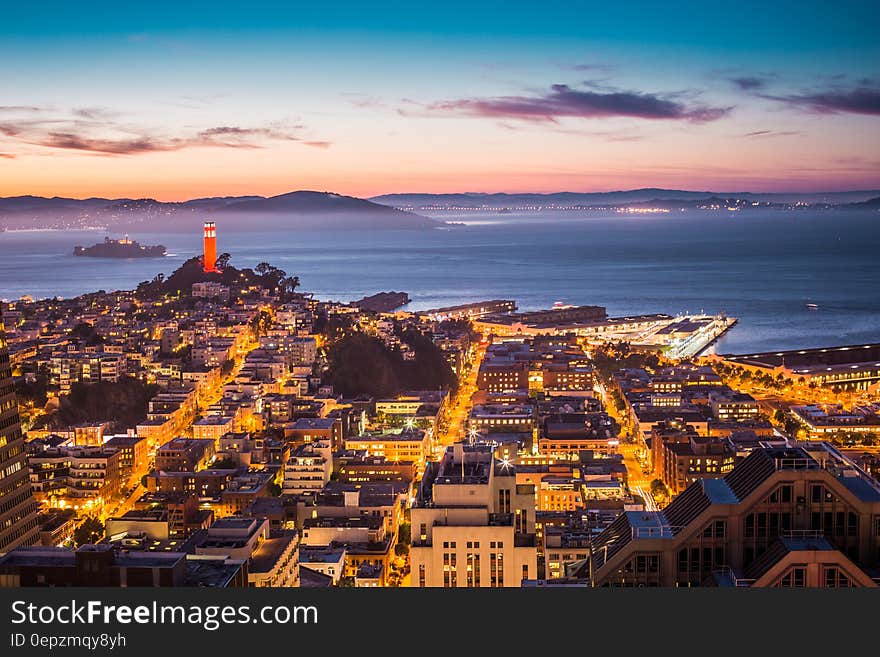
222 427
467 296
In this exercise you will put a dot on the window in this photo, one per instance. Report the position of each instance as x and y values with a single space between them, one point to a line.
835 578
852 524
786 492
794 578
762 524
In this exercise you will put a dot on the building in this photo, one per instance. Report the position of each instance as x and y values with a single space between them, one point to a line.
566 435
851 367
210 290
105 565
698 457
242 491
90 434
180 511
272 555
183 454
470 310
562 379
783 517
472 524
308 469
503 418
213 427
75 476
18 509
365 539
498 377
728 405
328 561
824 422
315 429
57 527
91 565
410 445
362 469
134 456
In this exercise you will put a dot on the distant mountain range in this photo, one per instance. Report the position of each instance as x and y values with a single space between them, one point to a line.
325 210
612 199
296 210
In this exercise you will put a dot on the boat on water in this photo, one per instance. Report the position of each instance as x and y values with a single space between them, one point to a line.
123 248
813 306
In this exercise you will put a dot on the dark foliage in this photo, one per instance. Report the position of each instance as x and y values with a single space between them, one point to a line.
360 364
124 403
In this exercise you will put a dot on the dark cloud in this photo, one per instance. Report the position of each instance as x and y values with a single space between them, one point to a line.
220 136
96 131
770 133
749 83
563 101
858 100
318 144
232 132
591 67
7 156
95 113
20 108
72 141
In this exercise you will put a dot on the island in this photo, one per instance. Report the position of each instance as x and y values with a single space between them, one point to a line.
124 248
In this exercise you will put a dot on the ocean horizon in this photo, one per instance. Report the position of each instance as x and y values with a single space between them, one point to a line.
763 270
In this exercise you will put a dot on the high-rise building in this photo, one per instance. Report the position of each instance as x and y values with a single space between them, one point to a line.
472 524
209 258
18 509
804 516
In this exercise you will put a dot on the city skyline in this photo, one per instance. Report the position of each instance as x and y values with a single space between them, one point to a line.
178 103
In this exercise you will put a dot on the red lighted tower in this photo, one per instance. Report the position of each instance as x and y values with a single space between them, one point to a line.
209 259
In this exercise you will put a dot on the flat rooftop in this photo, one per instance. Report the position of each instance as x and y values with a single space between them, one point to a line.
270 551
865 354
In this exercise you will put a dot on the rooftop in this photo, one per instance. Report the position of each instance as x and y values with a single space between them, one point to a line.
270 551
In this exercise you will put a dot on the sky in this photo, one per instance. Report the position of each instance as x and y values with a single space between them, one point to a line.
191 99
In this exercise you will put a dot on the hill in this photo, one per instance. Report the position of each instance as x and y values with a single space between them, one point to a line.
310 209
422 202
295 210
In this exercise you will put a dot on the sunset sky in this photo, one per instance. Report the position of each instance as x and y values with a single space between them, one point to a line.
187 99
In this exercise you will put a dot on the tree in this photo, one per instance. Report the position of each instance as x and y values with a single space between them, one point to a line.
227 367
659 489
90 531
404 533
222 261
